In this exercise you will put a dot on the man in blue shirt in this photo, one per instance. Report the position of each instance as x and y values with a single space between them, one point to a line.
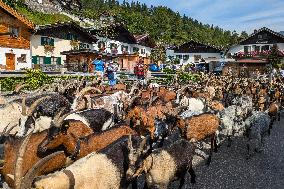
99 66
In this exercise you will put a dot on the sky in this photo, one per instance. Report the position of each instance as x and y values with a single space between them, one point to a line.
239 15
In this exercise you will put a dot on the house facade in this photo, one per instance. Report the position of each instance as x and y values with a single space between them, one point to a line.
257 43
127 47
194 52
120 41
50 41
15 34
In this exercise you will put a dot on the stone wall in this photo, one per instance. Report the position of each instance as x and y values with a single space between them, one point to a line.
47 6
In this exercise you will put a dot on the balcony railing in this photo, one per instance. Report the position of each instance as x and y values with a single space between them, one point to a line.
255 54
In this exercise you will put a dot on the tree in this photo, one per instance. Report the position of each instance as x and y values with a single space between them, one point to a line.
274 57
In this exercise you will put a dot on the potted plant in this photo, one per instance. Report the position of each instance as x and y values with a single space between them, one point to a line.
49 48
74 44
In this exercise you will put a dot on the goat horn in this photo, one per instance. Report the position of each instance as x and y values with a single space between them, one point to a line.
19 161
20 86
87 89
144 141
4 130
28 178
130 143
58 119
24 107
39 90
9 130
36 103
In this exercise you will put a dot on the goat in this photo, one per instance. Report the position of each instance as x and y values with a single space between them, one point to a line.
164 165
257 126
274 111
29 157
104 170
199 128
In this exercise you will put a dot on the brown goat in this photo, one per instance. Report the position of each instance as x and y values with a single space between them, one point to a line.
30 157
69 137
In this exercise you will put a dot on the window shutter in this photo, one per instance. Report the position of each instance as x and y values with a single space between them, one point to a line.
34 60
42 41
68 36
52 42
59 61
47 60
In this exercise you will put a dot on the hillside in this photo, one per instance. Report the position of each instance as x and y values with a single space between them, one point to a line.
162 23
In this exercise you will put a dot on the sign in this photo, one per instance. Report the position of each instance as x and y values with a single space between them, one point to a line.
261 42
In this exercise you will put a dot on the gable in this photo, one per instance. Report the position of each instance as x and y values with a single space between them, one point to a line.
62 31
263 36
118 33
196 47
6 10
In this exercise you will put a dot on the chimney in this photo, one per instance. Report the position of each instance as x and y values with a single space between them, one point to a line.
255 31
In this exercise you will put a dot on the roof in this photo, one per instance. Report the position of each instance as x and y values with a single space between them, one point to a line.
121 33
66 25
263 29
197 42
17 15
145 40
252 61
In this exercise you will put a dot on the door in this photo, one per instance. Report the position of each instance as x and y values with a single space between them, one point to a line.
10 61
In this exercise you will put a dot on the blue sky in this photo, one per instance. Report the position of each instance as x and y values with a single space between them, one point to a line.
239 15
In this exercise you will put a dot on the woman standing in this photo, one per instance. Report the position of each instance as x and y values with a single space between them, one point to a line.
111 73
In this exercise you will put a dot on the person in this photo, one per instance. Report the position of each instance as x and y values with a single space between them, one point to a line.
99 67
111 73
139 70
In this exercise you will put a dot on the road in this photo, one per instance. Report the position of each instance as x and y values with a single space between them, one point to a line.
230 169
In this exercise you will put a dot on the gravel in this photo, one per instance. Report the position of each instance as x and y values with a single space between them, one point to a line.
230 168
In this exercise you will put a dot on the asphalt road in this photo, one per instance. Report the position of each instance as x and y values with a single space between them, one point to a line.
231 170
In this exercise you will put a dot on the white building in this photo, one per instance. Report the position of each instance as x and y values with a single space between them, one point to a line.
121 41
50 41
194 52
258 42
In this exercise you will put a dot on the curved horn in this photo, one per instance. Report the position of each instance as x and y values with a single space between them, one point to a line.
142 144
24 107
36 103
58 119
6 133
87 89
4 130
28 179
20 161
20 86
130 147
39 90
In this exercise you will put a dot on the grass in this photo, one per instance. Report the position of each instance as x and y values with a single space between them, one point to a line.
39 18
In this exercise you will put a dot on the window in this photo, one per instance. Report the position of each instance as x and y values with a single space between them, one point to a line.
257 48
247 49
54 60
124 48
136 49
259 36
143 51
14 32
84 46
22 58
113 46
185 57
38 59
71 36
197 58
265 48
101 45
179 56
47 41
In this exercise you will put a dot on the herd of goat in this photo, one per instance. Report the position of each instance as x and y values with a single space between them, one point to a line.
80 134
